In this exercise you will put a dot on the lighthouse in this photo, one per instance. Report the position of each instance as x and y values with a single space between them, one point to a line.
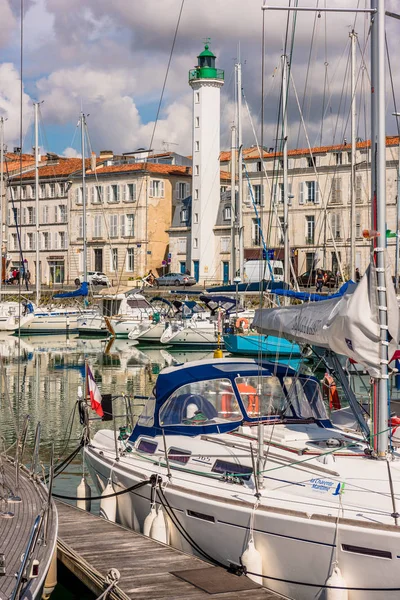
206 81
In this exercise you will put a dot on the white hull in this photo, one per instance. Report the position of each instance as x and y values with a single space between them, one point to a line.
49 322
294 529
195 334
92 325
123 325
147 331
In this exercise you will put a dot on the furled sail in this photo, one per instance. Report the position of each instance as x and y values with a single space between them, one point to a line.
347 325
83 290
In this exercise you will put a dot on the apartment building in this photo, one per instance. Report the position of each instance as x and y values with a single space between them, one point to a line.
129 210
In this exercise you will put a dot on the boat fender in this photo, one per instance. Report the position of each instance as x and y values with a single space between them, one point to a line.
148 522
83 491
242 323
336 579
51 577
108 506
159 528
252 560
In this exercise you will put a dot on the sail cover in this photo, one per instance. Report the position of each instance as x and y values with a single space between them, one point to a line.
348 325
83 290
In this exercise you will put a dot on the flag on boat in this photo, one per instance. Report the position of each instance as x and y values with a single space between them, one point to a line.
347 325
94 393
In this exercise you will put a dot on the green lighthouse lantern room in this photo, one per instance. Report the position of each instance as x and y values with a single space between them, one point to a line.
206 66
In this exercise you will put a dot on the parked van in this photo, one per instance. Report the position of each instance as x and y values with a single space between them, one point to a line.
257 270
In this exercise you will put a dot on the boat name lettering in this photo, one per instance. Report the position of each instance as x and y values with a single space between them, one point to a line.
308 326
322 485
203 459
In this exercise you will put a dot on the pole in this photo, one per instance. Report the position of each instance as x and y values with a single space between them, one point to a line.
353 37
83 127
233 212
378 90
397 259
240 171
37 244
1 198
286 271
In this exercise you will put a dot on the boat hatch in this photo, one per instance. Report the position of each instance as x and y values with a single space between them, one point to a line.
147 446
201 403
224 467
178 455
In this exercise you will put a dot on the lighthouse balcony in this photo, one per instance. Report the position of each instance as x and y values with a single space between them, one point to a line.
206 73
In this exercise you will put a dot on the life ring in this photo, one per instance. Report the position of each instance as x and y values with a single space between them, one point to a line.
242 323
330 392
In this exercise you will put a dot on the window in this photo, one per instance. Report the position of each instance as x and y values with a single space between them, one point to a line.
113 193
310 229
196 194
46 240
197 97
62 189
33 191
14 240
113 226
200 403
181 245
23 192
258 194
30 215
335 261
281 195
130 260
62 211
259 166
130 225
281 230
309 192
45 214
197 145
197 122
310 261
184 215
97 226
62 236
359 189
182 190
336 191
52 188
261 395
97 194
42 190
30 241
311 161
80 228
195 243
114 259
336 226
227 214
338 158
196 217
256 235
130 192
196 169
225 244
157 188
78 195
358 225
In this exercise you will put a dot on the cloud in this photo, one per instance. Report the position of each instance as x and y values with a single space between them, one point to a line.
8 23
10 104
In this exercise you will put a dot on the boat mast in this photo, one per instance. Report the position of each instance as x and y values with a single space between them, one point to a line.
378 167
83 127
1 197
240 169
396 268
286 263
233 204
353 38
37 269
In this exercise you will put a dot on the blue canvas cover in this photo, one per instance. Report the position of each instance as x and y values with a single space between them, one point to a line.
307 296
81 291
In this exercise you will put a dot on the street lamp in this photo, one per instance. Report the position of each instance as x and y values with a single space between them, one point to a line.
236 281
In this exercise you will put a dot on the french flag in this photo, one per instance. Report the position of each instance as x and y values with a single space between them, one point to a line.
94 393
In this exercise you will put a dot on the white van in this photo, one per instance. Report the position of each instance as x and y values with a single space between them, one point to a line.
256 270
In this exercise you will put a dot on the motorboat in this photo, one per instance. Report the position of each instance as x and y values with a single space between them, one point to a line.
14 315
244 451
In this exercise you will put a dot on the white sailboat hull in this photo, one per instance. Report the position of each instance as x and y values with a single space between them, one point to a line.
147 331
194 334
52 322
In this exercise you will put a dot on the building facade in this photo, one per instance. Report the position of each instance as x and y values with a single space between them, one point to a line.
129 210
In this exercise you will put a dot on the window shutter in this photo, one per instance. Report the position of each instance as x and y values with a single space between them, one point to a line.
77 195
187 190
134 192
109 193
301 199
316 193
55 214
249 193
262 195
151 192
49 238
359 188
123 225
24 215
290 193
118 193
177 196
124 189
339 190
161 189
34 214
24 242
92 188
55 240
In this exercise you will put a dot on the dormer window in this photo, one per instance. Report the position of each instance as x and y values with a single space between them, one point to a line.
311 161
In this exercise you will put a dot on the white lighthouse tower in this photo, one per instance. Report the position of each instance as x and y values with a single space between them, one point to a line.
206 82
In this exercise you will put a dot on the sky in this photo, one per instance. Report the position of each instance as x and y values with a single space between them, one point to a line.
110 59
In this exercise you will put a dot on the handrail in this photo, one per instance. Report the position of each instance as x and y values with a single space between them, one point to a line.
21 575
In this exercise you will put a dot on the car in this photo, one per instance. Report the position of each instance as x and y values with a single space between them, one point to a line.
308 278
175 279
96 278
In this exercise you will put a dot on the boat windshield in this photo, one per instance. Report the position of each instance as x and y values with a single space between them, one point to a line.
201 403
304 399
146 419
261 395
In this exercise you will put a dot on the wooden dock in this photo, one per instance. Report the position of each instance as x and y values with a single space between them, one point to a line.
90 546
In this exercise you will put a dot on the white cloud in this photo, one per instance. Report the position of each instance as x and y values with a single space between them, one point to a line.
10 104
8 23
71 153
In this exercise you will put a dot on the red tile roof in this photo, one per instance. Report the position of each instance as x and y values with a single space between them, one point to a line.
149 167
63 168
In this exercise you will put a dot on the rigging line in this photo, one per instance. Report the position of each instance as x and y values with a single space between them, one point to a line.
166 74
392 85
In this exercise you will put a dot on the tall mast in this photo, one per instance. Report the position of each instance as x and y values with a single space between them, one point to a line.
233 204
378 146
353 37
396 268
286 271
240 170
1 197
83 127
37 270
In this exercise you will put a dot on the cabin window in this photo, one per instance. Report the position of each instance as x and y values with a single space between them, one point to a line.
147 446
242 472
179 456
261 395
201 403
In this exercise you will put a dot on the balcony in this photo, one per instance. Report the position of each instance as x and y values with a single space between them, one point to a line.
206 73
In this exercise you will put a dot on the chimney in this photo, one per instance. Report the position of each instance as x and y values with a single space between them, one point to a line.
106 154
93 161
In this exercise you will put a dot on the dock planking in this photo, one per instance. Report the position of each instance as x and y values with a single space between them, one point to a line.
91 546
